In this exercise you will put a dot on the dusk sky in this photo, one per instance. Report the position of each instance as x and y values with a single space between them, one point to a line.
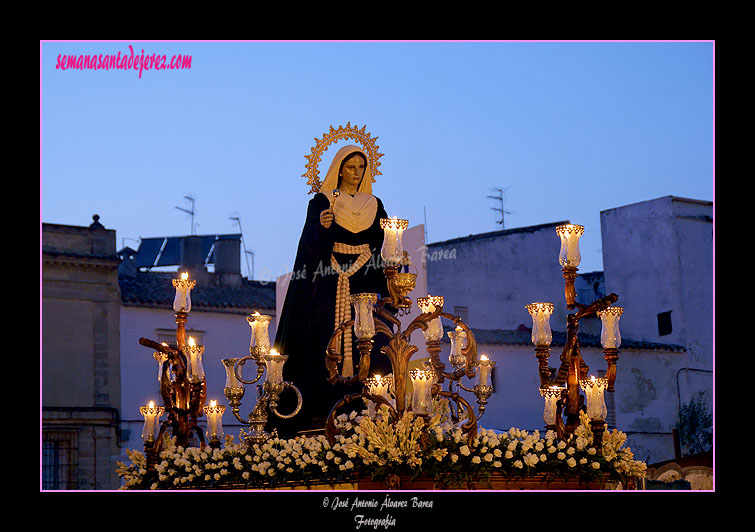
567 129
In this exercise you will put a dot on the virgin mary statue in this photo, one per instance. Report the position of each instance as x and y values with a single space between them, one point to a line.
338 255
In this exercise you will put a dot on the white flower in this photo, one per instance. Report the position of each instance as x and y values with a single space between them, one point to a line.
583 461
476 460
561 456
530 459
496 464
509 455
592 450
571 462
595 465
464 450
518 464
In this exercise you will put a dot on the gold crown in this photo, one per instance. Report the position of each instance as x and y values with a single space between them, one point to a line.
342 133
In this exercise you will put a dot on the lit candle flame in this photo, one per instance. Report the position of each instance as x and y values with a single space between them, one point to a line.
274 353
213 403
185 275
483 357
151 404
191 341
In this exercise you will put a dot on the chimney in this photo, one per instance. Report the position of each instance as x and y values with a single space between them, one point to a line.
228 254
228 259
190 255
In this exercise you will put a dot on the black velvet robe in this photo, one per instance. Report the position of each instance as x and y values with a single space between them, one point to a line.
307 319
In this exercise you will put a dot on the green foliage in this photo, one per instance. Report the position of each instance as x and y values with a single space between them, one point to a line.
695 426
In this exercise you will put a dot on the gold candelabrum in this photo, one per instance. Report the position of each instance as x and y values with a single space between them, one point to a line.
268 393
561 392
372 317
183 386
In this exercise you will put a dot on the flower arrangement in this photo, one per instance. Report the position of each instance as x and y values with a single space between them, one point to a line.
376 448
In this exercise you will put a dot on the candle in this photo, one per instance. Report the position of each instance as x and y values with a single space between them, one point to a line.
195 352
151 414
274 363
422 381
428 305
594 392
610 336
551 394
485 369
392 251
260 337
214 414
364 323
569 256
378 385
183 286
161 358
458 342
541 325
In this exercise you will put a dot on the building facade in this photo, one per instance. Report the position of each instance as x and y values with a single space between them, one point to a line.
657 257
80 358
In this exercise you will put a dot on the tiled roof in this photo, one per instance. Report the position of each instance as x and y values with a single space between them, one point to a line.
155 289
523 336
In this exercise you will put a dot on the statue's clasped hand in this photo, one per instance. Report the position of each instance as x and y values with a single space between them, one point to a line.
326 218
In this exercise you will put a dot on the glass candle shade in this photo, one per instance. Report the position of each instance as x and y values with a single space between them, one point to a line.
428 305
161 358
214 413
610 335
541 323
484 371
260 337
274 363
569 256
182 299
378 385
551 394
194 354
364 323
232 384
151 415
422 383
458 339
594 394
392 251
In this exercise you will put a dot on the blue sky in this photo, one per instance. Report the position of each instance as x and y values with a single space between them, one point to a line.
567 129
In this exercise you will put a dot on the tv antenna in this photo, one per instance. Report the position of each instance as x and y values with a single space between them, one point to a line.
189 212
249 272
500 209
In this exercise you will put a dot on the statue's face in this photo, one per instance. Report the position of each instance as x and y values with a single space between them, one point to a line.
352 172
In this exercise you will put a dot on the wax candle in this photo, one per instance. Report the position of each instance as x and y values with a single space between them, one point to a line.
378 385
392 251
364 323
260 339
485 369
428 305
214 413
195 352
569 255
151 415
274 363
610 336
182 299
422 382
594 394
551 394
541 325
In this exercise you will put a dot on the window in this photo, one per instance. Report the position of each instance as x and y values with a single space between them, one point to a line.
168 336
664 323
462 312
59 460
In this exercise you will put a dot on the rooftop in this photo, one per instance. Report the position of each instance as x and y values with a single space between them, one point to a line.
155 289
